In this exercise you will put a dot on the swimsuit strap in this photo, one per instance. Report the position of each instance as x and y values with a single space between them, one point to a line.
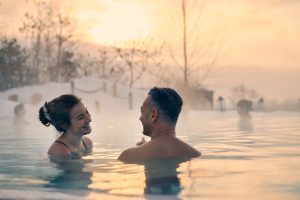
68 147
84 144
63 144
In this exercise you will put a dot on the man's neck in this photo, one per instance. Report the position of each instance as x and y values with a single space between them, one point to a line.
164 130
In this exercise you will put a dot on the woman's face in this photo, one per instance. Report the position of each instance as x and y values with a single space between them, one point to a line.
80 120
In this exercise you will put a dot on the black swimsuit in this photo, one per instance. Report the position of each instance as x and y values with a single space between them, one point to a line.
69 148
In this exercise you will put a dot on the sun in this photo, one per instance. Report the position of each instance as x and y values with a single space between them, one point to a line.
118 23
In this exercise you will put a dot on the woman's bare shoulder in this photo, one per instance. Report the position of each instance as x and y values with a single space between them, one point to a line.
58 149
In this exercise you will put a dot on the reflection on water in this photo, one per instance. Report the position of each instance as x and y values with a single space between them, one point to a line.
261 165
71 173
245 125
162 176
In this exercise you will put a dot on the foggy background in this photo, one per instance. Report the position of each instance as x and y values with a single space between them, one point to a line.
236 49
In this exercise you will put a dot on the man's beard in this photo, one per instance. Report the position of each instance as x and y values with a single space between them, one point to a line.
146 131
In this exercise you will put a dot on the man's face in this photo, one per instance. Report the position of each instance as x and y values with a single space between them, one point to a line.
145 117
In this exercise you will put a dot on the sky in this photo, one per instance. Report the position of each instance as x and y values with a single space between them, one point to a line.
260 38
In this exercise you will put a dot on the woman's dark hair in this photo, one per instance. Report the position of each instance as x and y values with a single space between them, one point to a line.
57 112
168 102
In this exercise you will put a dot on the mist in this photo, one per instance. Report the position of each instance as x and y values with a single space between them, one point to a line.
258 51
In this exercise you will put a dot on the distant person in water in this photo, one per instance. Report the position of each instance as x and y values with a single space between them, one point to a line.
20 113
243 108
221 104
70 118
159 114
260 104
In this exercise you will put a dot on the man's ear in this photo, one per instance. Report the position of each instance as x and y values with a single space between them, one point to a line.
154 114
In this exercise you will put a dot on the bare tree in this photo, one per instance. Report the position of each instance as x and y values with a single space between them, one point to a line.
87 63
34 27
49 32
13 58
242 92
193 50
136 56
105 66
62 36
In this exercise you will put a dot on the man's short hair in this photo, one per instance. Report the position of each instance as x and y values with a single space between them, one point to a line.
168 101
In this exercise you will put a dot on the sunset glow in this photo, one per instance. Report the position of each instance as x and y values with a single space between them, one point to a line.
120 22
257 36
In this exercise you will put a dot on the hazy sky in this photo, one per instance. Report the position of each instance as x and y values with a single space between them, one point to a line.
261 43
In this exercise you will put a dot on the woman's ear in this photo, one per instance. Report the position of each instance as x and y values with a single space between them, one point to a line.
64 126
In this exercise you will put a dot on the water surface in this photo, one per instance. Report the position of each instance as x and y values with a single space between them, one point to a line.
258 160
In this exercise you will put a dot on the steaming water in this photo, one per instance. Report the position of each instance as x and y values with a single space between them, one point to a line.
258 161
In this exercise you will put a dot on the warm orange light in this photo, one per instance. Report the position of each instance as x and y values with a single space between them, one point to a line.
119 22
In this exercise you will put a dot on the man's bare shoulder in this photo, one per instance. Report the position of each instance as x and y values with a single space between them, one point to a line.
185 149
173 147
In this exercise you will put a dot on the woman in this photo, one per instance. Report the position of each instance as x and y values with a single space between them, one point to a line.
70 118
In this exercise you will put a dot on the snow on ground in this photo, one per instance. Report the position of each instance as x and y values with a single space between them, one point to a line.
100 96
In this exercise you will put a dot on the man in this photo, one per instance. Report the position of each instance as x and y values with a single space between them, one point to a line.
159 114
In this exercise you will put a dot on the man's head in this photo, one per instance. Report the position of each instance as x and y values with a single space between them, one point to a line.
168 103
162 104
